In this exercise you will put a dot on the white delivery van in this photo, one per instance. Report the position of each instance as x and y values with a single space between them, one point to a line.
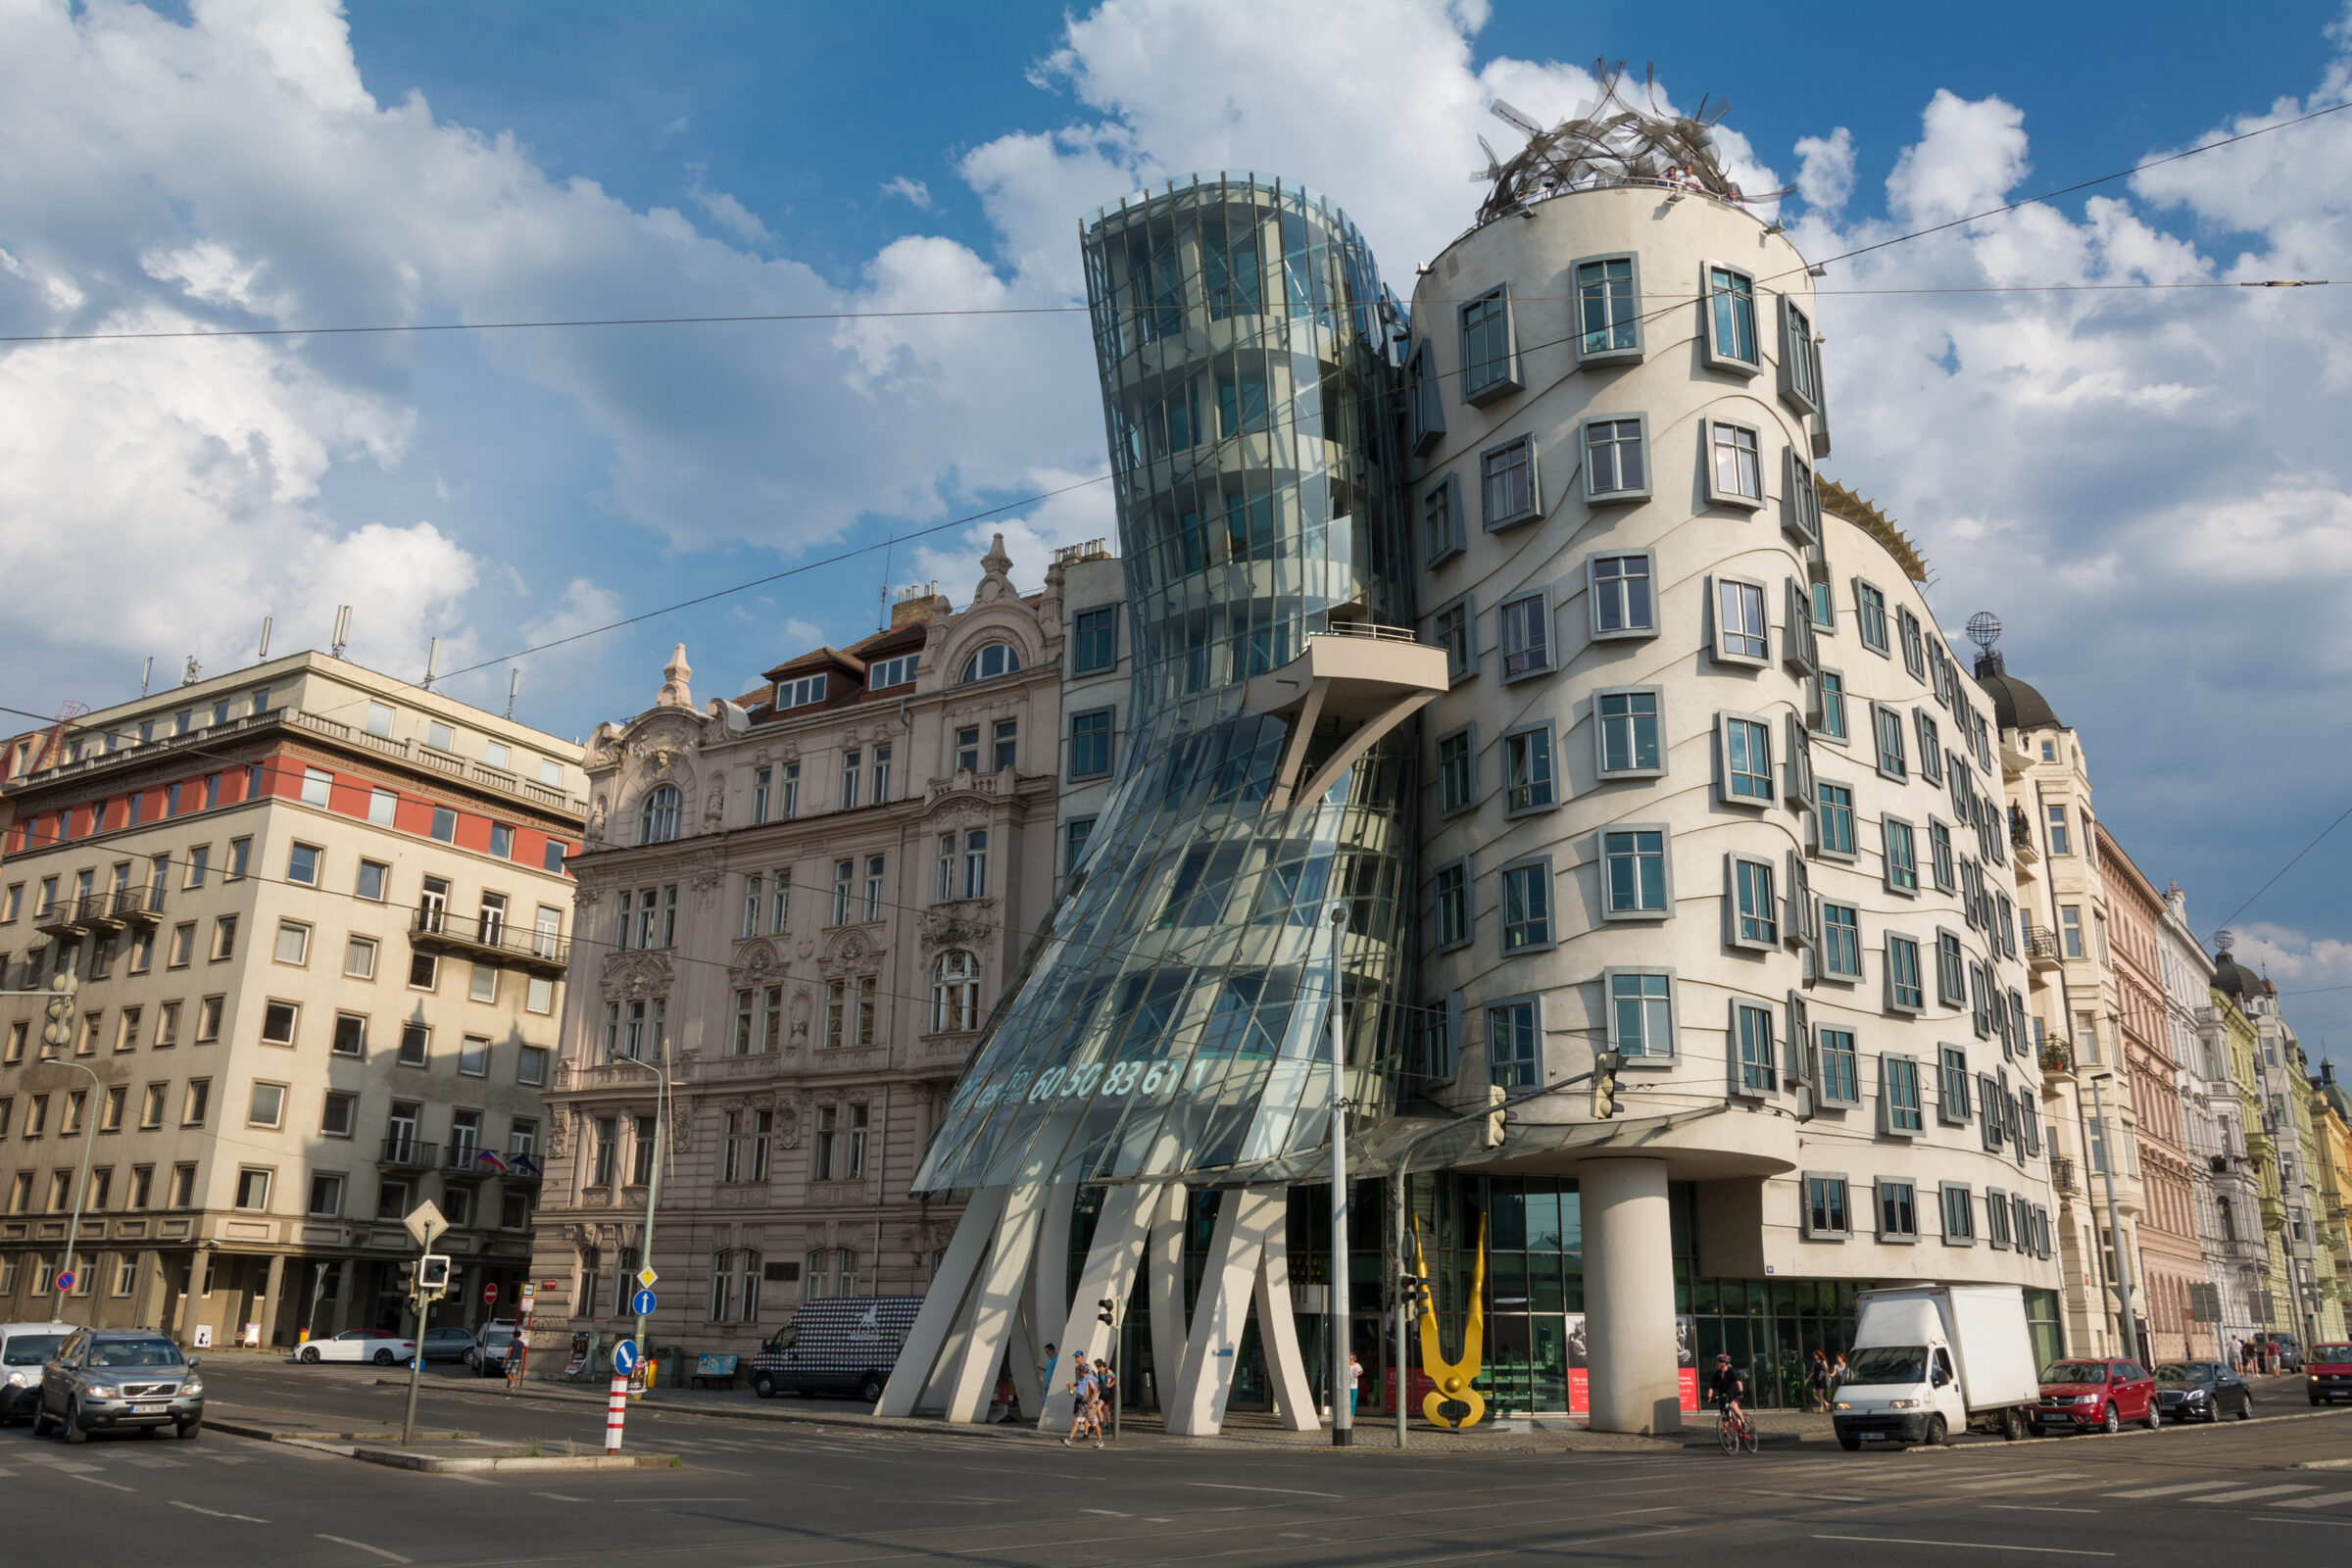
1932 1359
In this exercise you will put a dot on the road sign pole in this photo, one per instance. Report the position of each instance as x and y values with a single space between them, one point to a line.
617 1411
420 1226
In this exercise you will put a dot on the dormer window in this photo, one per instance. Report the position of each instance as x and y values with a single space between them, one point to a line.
800 693
899 672
996 659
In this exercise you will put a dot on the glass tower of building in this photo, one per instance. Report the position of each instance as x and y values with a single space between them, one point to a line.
1170 1017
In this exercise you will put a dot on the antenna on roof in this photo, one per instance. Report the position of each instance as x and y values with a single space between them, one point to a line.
263 654
513 683
1984 629
883 591
146 674
432 659
342 634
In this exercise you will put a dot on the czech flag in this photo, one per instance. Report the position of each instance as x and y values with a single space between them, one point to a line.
495 1162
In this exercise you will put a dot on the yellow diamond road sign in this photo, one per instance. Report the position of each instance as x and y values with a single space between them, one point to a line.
646 1277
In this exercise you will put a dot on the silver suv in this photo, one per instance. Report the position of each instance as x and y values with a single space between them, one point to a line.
104 1380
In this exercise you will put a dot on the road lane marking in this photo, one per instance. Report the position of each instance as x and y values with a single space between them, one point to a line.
2165 1491
214 1512
1966 1545
2026 1507
681 1500
1108 1512
362 1545
2020 1477
559 1497
2251 1492
95 1482
2324 1499
1287 1491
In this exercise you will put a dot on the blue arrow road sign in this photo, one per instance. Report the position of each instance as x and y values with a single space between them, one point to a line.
642 1304
65 1283
625 1356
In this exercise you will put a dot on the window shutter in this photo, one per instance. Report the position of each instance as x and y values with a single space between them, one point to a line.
1800 500
1796 768
1799 650
1795 1067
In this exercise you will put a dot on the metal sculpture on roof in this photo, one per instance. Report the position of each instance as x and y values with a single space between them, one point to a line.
1610 141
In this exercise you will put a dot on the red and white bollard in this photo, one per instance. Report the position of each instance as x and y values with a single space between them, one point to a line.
617 1409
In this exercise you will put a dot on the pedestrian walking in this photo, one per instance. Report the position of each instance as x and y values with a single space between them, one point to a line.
1106 1386
1082 1403
1817 1379
1045 1373
1836 1370
1355 1376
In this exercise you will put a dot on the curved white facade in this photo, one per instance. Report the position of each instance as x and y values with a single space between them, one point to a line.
1697 749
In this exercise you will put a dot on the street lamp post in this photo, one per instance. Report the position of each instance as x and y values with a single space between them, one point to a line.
56 1034
2114 1224
653 1182
1342 1418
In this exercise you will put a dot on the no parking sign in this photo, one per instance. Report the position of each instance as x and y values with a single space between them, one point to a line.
65 1282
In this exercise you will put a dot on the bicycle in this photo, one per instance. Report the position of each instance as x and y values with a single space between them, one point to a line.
1736 1431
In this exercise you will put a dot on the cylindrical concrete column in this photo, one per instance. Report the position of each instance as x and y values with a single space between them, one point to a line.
1629 1295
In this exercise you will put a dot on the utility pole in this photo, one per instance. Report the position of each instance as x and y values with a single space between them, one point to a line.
653 1185
2115 1226
56 1034
1342 1418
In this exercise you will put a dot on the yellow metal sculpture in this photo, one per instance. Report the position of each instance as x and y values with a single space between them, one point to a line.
1453 1379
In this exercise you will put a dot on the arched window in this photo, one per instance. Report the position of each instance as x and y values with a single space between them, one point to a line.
657 822
832 1273
996 659
954 992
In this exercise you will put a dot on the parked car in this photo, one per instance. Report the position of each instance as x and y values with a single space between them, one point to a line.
2203 1391
2329 1375
103 1380
23 1349
359 1344
2085 1396
488 1354
448 1345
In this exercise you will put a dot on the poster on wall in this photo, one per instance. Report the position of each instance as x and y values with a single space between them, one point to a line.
203 1336
1580 1386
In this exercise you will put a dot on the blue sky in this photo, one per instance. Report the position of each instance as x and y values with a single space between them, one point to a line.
251 164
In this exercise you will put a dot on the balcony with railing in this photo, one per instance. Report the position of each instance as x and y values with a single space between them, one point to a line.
2021 838
489 939
2062 1177
2042 946
403 1153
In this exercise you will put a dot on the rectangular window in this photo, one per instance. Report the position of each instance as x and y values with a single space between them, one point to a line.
881 774
1841 941
1756 917
1826 1215
266 1106
383 807
1800 359
1732 321
1999 1111
874 887
1093 640
302 864
416 1045
359 957
845 880
1870 617
1996 1220
1939 854
293 943
1834 1068
852 764
1090 744
253 1188
1887 724
1740 633
1456 771
1951 982
1800 503
1930 747
1451 628
1513 1043
1074 835
1616 459
754 901
224 938
1906 991
1635 879
1834 818
1623 602
208 1020
1450 891
1490 357
473 1057
1915 648
1628 736
1746 762
316 786
1442 530
1526 906
1901 855
2059 841
1951 1085
1608 306
1959 1215
1526 634
277 1023
1007 734
1899 1095
2070 931
1641 1013
1507 489
1755 1067
1526 770
1735 469
1426 399
196 1102
531 1067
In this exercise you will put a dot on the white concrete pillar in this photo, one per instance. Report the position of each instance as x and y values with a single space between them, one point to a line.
1629 1295
1111 1260
1164 1279
1236 1274
944 1303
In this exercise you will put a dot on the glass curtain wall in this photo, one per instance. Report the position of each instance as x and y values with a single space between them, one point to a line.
1169 1018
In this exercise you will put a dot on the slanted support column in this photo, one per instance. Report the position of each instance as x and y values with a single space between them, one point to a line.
1237 1270
1110 1265
944 1303
1629 1295
1164 1248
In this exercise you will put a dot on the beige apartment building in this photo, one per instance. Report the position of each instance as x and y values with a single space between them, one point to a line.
800 904
317 924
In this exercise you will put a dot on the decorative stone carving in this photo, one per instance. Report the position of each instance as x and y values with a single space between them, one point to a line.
800 1010
967 923
852 952
681 1129
596 820
706 870
715 804
674 676
756 962
629 976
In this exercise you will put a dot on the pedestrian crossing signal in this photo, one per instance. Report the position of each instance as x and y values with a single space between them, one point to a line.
1109 1311
1604 1083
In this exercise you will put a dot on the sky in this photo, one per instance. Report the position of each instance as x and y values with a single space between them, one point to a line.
2149 486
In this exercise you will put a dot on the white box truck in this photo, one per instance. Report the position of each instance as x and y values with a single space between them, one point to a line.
1932 1359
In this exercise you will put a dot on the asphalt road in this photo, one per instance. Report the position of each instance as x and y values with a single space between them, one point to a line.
764 1495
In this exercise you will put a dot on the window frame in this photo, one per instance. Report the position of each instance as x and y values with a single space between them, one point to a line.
1467 669
1488 521
1468 736
1595 592
1549 742
1851 1053
1738 1065
1846 977
1806 1228
1799 355
1817 718
1109 742
1951 1067
1722 761
1507 379
1541 599
1709 441
1894 1002
1533 1002
1711 350
1644 1058
1444 498
1540 866
1800 500
1882 717
1595 496
1575 310
1956 1197
1600 723
1081 630
1822 813
1602 861
1895 1065
1866 595
1887 860
1722 655
1768 915
1468 891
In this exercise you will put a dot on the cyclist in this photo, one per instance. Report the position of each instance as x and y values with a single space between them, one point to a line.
1727 1388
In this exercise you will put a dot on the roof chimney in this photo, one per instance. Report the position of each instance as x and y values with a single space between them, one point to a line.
919 606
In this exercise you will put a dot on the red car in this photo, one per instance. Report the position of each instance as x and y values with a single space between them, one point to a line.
2095 1396
2328 1373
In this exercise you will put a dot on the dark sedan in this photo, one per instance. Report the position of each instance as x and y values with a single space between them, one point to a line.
2203 1391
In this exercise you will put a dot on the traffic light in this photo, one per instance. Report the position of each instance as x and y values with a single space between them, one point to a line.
58 1030
1410 1291
1604 1083
1495 1098
432 1273
1108 1311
